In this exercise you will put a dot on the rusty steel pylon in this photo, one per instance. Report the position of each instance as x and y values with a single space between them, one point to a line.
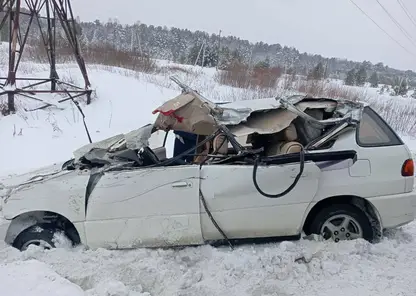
52 10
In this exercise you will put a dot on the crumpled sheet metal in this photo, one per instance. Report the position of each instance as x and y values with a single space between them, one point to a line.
103 144
135 139
237 115
263 116
236 112
274 120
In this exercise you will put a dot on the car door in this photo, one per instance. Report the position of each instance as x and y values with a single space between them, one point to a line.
242 212
145 207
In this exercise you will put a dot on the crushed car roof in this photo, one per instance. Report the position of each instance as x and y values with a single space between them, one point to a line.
190 113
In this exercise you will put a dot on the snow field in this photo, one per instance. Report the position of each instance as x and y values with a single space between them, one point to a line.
348 268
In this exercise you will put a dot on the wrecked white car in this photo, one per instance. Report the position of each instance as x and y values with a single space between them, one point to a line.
243 171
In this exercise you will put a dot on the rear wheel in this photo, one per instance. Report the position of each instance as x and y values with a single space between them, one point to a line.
42 235
342 222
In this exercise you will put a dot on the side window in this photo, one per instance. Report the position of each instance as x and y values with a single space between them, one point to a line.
373 131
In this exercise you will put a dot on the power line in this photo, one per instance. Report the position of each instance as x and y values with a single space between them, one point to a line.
385 32
409 15
408 36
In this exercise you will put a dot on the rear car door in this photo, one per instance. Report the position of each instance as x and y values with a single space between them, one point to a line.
242 212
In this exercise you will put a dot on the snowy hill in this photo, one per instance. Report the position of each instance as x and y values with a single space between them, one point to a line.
124 101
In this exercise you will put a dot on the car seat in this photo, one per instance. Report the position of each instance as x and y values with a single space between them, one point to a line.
286 142
219 145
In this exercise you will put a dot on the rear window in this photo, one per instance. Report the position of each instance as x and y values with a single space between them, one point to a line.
374 131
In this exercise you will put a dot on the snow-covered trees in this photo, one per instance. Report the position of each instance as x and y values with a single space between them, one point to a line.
178 45
361 76
356 77
374 81
317 73
351 76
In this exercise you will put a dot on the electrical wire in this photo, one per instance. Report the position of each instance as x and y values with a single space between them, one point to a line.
204 203
290 188
407 12
385 32
408 36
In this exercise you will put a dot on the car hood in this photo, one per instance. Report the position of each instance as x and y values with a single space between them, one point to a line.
15 182
134 140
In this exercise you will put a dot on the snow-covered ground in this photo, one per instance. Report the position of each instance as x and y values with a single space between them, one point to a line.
124 101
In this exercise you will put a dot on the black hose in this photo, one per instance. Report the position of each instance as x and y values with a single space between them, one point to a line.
290 188
204 203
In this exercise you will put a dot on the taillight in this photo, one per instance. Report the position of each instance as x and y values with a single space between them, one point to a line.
408 168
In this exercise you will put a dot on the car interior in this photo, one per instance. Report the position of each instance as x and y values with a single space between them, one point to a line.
291 137
289 140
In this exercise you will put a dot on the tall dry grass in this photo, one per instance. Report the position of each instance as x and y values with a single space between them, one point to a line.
99 54
242 76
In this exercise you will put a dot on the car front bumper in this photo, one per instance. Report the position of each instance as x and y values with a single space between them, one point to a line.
395 210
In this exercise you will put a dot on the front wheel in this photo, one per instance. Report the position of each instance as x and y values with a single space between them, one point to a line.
38 235
342 222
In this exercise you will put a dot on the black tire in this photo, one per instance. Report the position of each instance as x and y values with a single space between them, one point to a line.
41 233
352 211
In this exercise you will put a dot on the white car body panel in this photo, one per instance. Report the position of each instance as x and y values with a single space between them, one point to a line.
63 194
395 210
385 188
244 212
377 170
150 207
384 178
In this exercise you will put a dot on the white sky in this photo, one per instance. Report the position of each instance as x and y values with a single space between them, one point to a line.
332 28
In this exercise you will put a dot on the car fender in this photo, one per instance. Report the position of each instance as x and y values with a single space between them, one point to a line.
10 229
63 193
364 204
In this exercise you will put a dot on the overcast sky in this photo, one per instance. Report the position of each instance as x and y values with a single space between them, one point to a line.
332 28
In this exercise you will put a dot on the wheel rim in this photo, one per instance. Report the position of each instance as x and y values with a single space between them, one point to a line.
36 242
341 227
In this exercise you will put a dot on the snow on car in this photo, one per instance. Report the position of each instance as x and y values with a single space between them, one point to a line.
247 170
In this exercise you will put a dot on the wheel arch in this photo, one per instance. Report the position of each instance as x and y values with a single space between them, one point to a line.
361 203
25 220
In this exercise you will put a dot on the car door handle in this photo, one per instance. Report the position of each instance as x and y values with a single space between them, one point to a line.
293 176
295 171
181 184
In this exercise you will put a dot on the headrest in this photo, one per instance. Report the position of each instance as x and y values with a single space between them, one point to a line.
290 133
220 144
290 147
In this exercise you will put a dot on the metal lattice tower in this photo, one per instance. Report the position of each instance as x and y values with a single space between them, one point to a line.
53 10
